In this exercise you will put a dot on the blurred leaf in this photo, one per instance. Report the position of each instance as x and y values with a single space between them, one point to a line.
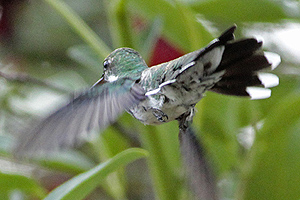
6 143
81 185
179 22
10 182
80 27
121 30
85 56
67 161
288 84
271 171
109 144
113 142
163 146
240 10
217 128
149 39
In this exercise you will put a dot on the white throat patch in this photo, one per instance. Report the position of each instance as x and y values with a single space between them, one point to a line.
112 78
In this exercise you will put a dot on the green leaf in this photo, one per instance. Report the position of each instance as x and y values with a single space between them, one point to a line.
10 182
289 84
240 10
162 144
81 185
149 38
108 144
217 127
120 24
179 22
67 161
80 27
272 170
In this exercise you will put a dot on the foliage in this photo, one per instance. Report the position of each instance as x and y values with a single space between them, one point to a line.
268 169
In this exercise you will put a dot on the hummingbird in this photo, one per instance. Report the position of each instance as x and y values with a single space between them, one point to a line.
158 94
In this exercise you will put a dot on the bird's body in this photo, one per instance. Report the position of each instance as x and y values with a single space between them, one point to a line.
158 94
173 88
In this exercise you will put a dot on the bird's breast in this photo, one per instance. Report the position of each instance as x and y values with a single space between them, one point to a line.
149 111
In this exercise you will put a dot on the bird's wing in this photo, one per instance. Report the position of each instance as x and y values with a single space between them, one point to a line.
200 174
95 108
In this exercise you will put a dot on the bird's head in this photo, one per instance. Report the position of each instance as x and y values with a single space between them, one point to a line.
123 62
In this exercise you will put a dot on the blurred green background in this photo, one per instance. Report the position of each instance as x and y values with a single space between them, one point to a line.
47 53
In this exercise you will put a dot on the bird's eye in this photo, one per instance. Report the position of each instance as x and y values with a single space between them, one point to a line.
106 64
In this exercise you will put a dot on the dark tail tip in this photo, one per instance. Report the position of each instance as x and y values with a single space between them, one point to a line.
227 35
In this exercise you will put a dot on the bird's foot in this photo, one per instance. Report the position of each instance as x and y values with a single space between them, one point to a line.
160 115
185 120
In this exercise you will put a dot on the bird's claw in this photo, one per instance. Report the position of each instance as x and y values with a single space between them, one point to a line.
160 115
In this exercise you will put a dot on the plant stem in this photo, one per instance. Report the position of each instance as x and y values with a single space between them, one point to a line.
83 30
120 24
25 78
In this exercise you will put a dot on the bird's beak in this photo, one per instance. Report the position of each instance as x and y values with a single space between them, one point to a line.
100 81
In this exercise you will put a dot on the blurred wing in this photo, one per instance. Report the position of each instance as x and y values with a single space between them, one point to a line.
201 179
200 174
95 108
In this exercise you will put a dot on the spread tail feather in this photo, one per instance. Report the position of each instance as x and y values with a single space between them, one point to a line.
241 62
